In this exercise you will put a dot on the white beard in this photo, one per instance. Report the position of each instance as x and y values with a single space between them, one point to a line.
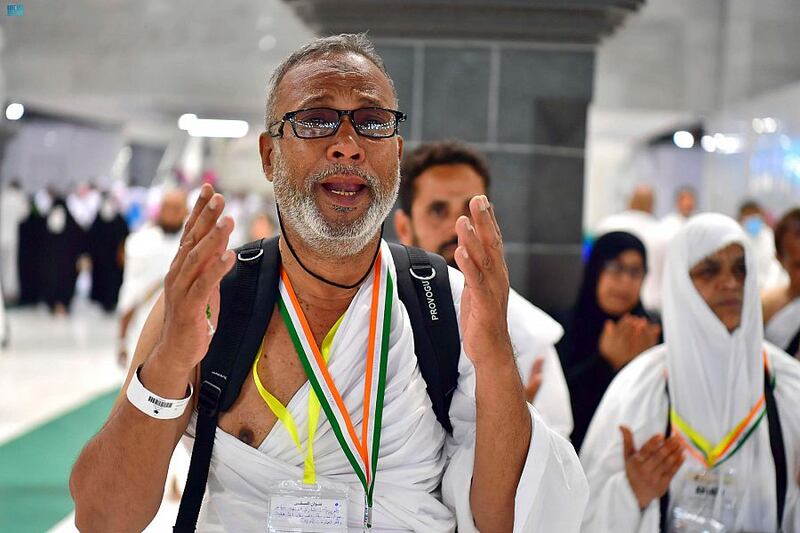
328 238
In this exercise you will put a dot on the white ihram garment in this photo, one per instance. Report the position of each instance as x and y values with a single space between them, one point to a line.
715 378
784 325
534 334
416 457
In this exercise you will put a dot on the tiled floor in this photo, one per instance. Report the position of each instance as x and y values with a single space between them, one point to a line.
58 378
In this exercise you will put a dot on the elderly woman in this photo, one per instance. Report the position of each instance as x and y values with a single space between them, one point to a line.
701 433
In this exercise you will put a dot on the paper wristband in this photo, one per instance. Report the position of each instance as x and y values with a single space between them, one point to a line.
152 404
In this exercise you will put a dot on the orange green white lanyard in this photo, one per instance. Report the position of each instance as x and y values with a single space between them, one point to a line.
714 455
362 453
283 414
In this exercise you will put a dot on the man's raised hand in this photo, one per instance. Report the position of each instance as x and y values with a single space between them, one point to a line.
484 302
192 284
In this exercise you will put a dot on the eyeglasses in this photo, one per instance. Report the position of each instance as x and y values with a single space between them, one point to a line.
617 269
317 122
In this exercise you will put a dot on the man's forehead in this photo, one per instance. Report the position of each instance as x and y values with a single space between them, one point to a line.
322 80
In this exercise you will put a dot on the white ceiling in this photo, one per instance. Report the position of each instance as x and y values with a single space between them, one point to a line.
142 64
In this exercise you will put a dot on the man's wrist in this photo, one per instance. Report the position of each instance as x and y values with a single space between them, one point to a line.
501 356
163 378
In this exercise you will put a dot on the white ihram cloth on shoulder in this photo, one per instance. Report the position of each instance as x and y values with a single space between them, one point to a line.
715 378
784 325
416 456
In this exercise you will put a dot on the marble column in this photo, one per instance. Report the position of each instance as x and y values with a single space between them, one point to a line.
514 79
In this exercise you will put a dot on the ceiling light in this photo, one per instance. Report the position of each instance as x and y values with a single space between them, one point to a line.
683 139
15 111
708 143
206 127
186 121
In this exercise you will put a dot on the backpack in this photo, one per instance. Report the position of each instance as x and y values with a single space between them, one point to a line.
247 300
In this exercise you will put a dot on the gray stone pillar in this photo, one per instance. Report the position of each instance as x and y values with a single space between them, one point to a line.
514 79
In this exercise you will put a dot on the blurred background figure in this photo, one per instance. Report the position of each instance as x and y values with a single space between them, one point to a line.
782 302
148 254
608 325
262 226
756 225
64 242
438 180
685 204
639 220
31 252
13 210
106 250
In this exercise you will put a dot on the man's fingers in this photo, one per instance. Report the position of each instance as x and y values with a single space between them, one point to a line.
628 449
208 249
473 277
486 227
206 192
211 276
468 239
200 227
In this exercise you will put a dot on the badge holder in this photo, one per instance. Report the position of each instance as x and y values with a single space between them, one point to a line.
698 508
296 507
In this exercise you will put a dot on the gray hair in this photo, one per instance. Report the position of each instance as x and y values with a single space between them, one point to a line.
323 47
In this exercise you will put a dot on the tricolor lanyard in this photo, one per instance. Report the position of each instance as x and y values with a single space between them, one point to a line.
362 458
714 455
283 414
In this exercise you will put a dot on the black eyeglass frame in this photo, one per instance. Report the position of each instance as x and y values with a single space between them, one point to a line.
399 117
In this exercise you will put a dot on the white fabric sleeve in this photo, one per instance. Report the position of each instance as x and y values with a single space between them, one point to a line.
552 400
138 274
552 492
634 399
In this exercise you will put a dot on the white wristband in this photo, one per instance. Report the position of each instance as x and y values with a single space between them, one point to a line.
152 404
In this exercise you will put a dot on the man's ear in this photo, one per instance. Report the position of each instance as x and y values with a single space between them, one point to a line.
403 228
400 143
266 146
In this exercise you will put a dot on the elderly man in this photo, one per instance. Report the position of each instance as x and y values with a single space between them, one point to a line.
438 180
702 432
333 154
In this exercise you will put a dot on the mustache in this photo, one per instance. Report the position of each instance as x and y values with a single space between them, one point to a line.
338 169
444 245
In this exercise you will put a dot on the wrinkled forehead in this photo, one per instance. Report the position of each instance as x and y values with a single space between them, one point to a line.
335 81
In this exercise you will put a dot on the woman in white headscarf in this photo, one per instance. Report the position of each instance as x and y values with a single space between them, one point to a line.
686 437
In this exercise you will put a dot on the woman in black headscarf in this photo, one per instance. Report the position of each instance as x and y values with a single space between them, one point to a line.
608 325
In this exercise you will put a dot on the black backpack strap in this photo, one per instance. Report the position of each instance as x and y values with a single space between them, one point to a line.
793 348
663 502
244 314
776 444
423 284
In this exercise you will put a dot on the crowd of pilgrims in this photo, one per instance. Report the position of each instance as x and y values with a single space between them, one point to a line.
49 239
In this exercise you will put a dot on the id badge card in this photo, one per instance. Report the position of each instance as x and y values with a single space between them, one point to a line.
296 507
706 501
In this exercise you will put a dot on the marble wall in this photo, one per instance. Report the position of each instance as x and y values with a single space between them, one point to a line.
524 106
